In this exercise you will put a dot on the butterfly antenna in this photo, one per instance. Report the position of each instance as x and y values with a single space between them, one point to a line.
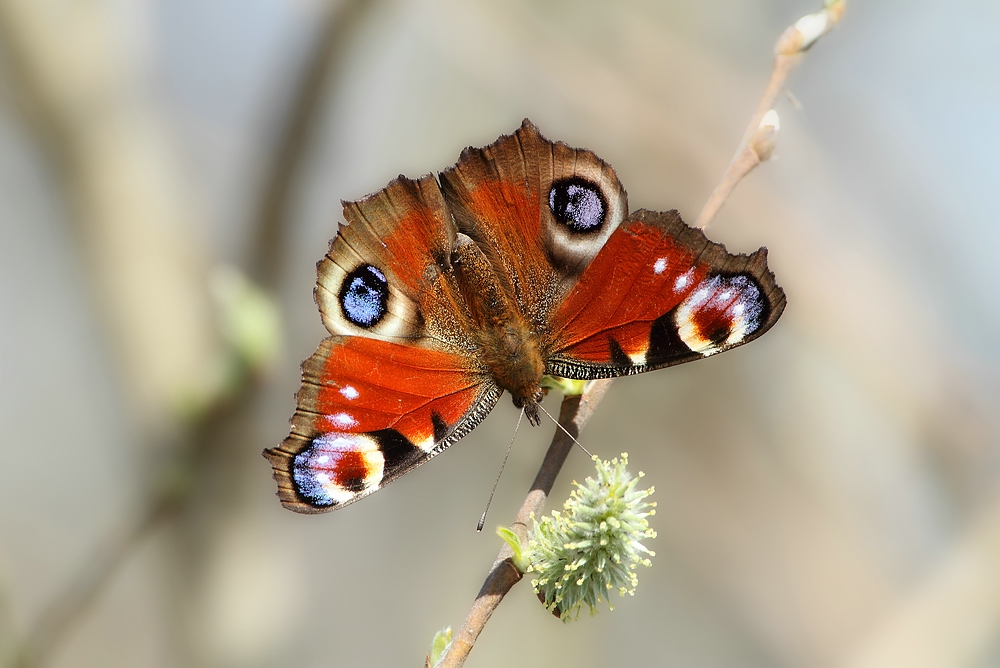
482 520
573 438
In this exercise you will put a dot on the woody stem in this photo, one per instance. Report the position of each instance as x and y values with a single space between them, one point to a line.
576 411
573 415
754 148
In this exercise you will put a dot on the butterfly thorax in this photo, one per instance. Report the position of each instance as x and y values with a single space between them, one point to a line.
509 347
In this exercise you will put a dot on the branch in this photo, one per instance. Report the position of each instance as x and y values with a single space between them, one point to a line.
573 415
755 147
174 483
758 139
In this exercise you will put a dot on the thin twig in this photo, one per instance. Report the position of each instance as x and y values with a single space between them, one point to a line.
573 415
756 144
746 156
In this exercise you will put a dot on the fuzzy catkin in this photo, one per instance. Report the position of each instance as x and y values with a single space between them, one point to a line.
594 545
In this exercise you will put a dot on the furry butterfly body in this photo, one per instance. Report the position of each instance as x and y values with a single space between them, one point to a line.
521 260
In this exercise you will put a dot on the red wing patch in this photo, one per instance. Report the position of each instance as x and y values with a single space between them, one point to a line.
503 215
369 411
659 293
501 196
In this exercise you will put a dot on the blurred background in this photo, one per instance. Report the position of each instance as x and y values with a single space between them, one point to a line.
171 171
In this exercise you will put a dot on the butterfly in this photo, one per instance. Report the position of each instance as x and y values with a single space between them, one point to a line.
520 261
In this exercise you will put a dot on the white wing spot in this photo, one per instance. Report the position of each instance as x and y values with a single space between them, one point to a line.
660 265
349 392
427 444
682 281
341 420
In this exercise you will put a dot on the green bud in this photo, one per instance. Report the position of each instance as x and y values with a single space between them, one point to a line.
439 646
569 388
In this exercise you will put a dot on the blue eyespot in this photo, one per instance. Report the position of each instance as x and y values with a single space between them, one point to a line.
364 295
577 204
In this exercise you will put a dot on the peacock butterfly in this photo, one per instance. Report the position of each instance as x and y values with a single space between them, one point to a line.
521 260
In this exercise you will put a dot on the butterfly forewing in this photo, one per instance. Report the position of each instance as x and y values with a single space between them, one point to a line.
500 196
396 241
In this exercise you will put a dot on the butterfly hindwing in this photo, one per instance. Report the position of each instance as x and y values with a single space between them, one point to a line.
368 412
667 295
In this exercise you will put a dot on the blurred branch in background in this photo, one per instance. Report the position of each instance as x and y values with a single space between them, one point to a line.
190 367
135 221
755 147
758 138
316 82
250 327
